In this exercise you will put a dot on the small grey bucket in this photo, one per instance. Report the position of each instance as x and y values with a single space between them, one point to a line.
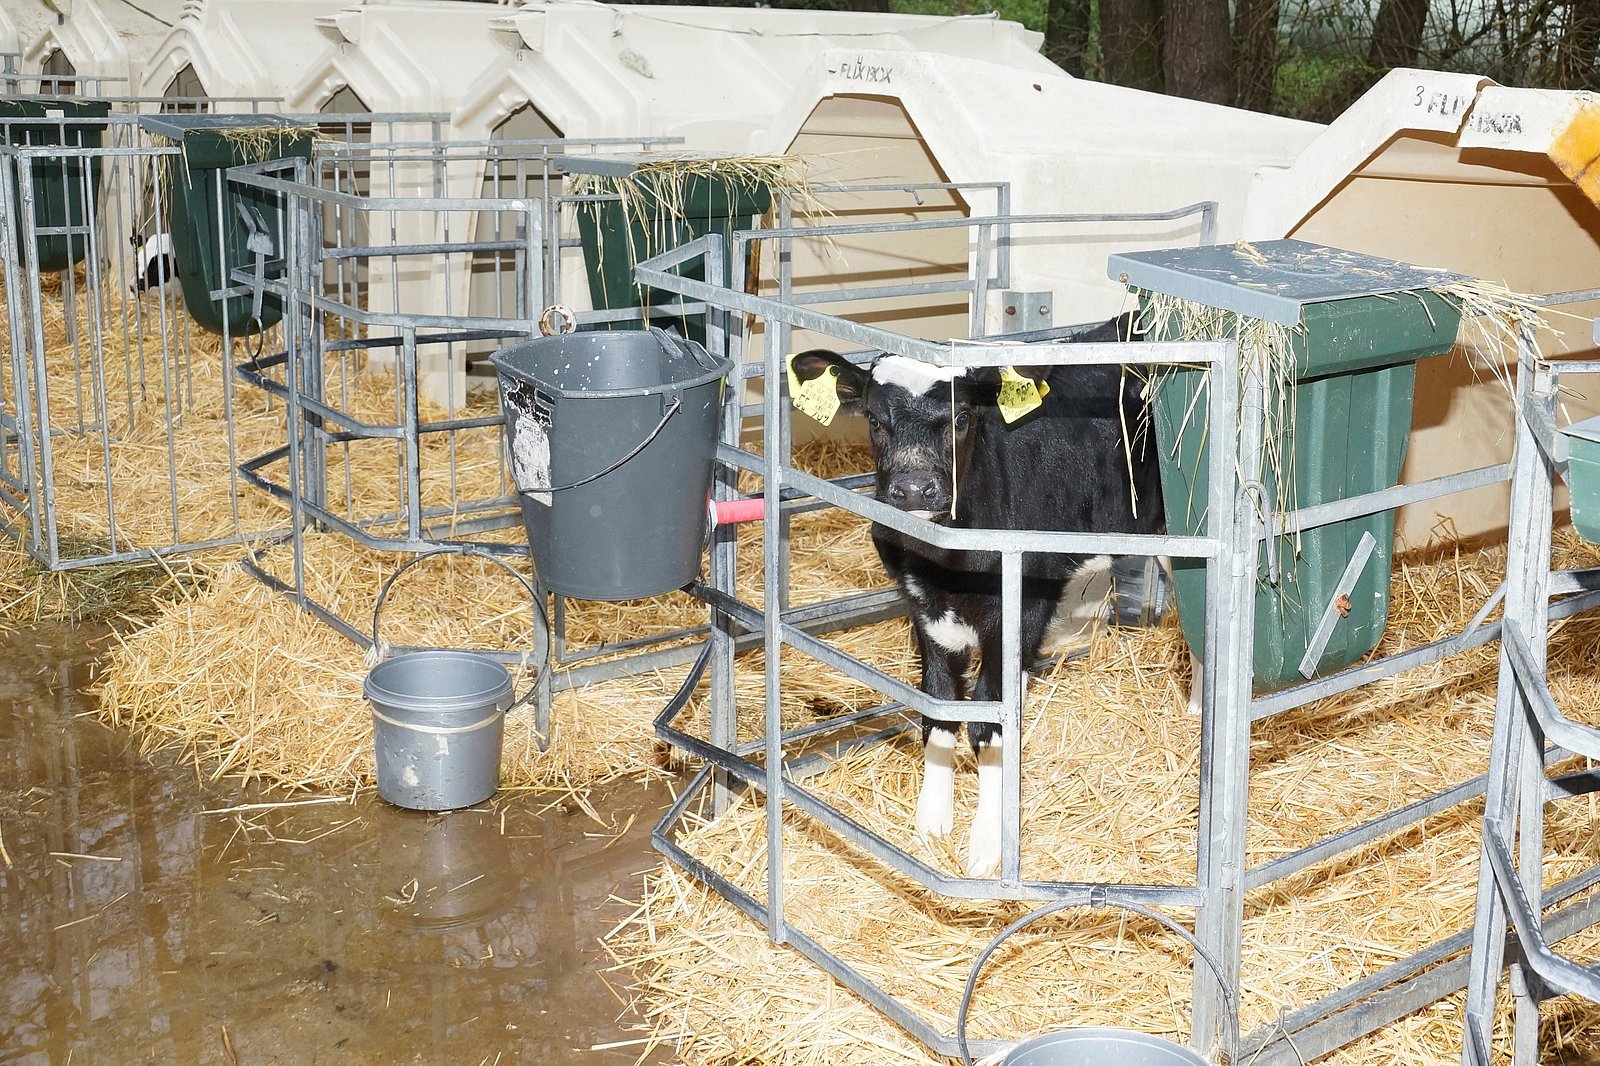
612 438
438 718
1100 1047
438 714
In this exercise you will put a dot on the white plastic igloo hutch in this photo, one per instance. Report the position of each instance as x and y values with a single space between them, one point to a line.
1450 170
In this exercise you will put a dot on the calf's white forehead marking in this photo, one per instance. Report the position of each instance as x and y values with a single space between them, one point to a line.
951 633
913 375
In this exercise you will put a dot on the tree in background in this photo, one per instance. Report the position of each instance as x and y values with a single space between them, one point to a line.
1066 35
1255 30
1183 47
1131 43
1313 58
1198 50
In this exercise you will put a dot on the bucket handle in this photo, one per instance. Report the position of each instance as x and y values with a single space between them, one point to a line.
378 645
1099 897
673 405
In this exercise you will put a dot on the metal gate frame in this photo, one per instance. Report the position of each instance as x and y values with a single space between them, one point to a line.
1530 732
1230 548
157 338
322 426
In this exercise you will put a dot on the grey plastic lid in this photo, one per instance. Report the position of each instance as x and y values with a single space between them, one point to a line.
1100 1047
1588 429
173 126
438 680
1270 280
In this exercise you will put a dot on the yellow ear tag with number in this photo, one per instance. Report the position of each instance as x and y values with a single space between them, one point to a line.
1019 395
818 397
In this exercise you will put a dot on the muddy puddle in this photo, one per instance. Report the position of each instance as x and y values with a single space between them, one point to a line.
148 917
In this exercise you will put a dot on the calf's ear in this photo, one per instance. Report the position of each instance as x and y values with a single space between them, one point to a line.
850 380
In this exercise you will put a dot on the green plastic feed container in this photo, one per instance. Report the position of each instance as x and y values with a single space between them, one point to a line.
1583 471
663 215
205 206
1351 422
65 189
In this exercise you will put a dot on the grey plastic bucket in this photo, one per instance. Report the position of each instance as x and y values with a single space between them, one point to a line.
612 438
1100 1047
438 717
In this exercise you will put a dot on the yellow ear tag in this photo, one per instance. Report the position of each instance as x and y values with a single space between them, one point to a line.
1019 395
818 397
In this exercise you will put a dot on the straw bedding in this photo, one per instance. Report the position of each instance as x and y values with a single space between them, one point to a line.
163 398
164 472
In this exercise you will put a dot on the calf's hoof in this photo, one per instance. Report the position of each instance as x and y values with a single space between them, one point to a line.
983 856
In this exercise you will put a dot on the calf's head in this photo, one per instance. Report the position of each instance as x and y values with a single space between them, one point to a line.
924 421
154 263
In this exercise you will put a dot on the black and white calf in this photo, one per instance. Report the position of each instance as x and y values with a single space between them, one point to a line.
944 453
154 264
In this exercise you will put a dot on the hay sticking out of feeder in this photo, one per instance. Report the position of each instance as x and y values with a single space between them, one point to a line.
665 181
657 201
261 141
253 143
1265 346
1110 791
1494 319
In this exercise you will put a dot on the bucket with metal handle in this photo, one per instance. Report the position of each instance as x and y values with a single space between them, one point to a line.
612 439
438 714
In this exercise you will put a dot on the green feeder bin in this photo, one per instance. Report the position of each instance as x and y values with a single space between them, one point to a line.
667 212
1357 325
204 203
64 189
1583 471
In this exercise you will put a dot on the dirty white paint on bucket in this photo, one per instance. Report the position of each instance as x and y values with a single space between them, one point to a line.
530 457
1100 1047
438 718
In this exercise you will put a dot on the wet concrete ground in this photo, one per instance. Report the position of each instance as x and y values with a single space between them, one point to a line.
147 917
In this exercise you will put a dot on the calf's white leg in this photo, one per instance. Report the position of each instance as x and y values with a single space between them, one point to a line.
983 847
936 803
1197 684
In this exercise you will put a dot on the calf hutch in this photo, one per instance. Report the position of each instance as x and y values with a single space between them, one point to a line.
227 51
1451 170
93 47
544 72
923 137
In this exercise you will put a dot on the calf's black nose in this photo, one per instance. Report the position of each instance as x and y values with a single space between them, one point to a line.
915 492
